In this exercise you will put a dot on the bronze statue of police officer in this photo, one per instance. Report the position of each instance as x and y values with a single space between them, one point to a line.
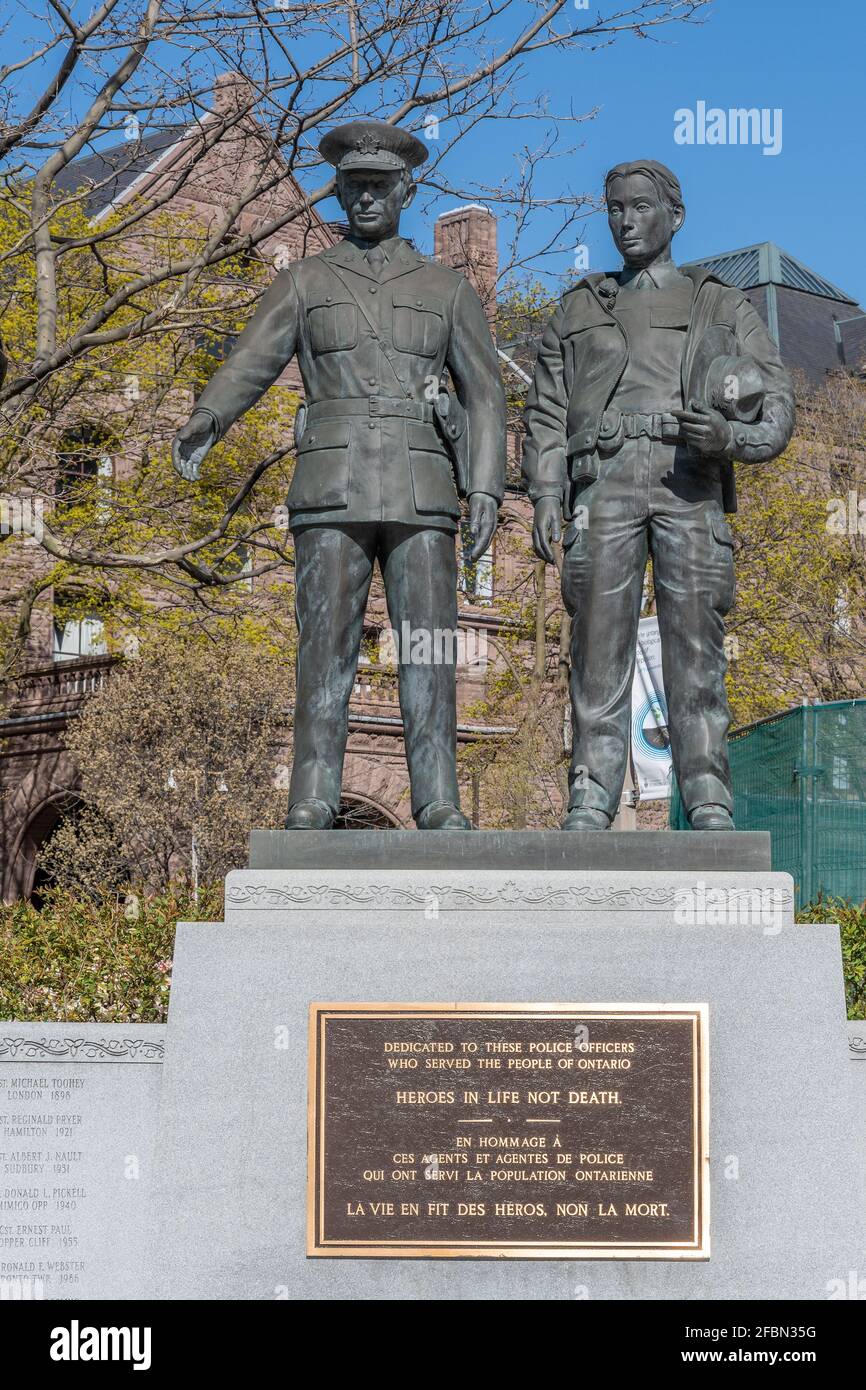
373 324
649 383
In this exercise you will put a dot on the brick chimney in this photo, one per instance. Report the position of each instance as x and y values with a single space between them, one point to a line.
231 92
465 239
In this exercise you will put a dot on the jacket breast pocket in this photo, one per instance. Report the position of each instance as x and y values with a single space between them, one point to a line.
333 325
591 352
432 480
321 477
418 324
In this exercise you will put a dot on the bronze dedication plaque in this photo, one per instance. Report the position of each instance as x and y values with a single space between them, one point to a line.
528 1131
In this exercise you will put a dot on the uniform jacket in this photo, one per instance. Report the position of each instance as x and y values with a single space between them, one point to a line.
582 358
366 453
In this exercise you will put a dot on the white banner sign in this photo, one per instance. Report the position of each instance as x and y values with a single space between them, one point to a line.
650 744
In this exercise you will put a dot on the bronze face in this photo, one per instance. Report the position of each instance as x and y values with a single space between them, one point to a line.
373 199
520 1130
641 223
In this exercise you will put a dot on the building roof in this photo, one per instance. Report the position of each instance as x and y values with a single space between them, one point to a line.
109 172
765 263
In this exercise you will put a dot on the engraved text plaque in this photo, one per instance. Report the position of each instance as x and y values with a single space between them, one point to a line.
508 1130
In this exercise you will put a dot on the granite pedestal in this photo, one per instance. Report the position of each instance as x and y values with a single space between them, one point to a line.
661 851
230 1204
78 1108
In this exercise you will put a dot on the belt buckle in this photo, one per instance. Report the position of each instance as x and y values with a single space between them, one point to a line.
374 405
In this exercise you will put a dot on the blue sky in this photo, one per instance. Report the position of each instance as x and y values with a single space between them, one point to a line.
805 58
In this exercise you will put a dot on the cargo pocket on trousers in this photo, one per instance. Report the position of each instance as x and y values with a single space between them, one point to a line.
721 530
723 537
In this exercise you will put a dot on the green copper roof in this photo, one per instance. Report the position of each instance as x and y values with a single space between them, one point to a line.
767 264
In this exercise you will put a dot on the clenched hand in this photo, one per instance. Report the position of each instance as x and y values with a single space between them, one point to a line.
482 524
705 430
547 527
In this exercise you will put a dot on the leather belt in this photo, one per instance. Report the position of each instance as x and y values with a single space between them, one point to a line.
659 426
377 406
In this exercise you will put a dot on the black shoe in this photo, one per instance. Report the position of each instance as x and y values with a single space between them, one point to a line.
710 817
586 818
309 815
441 815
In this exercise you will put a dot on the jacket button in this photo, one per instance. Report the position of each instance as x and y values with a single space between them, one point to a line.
372 425
312 439
372 381
420 303
328 298
372 289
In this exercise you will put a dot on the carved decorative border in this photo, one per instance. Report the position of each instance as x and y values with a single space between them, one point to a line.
35 1049
268 897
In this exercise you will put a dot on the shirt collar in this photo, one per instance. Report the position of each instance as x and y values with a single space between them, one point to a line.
662 275
388 247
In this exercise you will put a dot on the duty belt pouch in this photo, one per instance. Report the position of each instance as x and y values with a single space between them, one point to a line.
611 433
583 469
452 424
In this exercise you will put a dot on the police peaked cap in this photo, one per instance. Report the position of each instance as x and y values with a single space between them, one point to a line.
372 145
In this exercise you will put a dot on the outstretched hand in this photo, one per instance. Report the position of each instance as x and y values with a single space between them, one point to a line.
192 444
482 523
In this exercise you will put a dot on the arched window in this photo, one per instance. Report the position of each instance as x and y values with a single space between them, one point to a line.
85 454
357 814
77 633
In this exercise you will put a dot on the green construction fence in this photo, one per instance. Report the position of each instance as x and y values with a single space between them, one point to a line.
802 776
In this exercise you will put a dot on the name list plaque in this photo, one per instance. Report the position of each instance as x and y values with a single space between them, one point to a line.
521 1131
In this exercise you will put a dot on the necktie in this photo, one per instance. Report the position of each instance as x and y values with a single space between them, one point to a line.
375 259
